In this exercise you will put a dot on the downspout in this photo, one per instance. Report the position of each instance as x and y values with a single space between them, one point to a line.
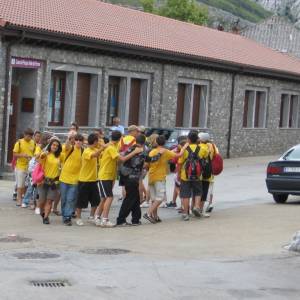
230 115
6 94
161 95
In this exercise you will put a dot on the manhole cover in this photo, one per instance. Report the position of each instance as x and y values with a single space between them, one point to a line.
50 283
35 255
106 251
13 238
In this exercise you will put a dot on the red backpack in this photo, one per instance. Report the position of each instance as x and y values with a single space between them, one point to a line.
216 162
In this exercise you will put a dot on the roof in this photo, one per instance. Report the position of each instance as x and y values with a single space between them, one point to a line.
99 21
276 32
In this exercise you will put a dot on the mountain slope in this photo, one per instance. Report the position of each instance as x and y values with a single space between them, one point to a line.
289 8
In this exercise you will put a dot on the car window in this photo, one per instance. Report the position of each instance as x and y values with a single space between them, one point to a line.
293 154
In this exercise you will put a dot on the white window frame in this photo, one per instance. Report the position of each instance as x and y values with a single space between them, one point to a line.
256 90
194 82
290 95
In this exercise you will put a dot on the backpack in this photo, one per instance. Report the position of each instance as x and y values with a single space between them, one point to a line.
216 163
206 167
192 164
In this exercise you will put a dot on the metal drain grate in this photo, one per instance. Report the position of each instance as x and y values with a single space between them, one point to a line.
50 283
105 251
35 255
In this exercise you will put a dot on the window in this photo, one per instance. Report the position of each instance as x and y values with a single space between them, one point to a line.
56 98
128 98
191 105
289 111
255 109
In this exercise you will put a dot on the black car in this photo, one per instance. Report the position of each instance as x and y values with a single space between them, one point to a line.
283 175
160 131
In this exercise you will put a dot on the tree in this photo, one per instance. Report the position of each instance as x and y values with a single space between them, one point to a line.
183 10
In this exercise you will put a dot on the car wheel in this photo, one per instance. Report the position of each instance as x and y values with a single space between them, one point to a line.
280 198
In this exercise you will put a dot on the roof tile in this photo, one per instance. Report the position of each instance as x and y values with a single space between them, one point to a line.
106 22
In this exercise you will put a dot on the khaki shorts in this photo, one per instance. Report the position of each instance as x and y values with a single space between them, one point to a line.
157 190
47 192
20 178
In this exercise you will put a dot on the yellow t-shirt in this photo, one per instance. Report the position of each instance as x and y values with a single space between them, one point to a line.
158 170
203 153
51 165
71 167
24 147
88 170
108 163
38 150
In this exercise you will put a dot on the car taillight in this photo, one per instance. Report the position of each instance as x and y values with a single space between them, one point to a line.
273 170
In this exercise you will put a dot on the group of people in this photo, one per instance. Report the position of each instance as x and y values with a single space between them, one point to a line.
84 170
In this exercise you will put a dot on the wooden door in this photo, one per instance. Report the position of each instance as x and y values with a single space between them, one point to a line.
83 99
12 133
196 106
134 104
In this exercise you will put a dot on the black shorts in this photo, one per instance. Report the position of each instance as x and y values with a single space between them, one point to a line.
106 187
88 192
190 189
205 187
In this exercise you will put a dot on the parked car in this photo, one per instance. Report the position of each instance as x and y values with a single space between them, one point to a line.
160 131
283 175
172 140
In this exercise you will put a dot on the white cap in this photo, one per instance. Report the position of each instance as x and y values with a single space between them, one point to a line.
204 136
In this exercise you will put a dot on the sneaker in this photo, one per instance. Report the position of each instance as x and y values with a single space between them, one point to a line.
171 205
98 222
37 211
24 205
68 222
46 221
185 217
79 222
125 224
158 219
163 205
206 215
197 212
14 196
145 204
149 218
105 223
91 219
136 224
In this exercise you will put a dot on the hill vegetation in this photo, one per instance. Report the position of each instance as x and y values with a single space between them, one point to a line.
244 9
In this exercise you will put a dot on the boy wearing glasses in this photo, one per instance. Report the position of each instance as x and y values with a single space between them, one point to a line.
69 177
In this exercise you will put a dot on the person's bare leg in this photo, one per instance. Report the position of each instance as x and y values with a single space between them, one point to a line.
20 192
93 210
106 208
99 209
48 206
56 202
78 213
186 204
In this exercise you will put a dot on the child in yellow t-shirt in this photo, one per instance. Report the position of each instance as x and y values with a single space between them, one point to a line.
157 177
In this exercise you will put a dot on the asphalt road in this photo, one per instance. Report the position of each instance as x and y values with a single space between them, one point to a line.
236 254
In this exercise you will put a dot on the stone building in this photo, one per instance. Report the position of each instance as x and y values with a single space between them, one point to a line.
89 61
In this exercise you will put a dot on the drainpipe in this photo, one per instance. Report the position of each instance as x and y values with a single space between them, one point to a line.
231 115
6 94
161 95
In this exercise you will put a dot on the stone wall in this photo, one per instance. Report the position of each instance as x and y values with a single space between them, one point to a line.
163 100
